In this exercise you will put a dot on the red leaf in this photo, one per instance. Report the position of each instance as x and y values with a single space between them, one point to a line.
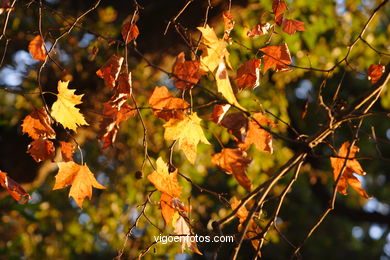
259 30
248 75
129 32
14 189
219 112
37 49
278 6
276 57
186 70
38 124
110 70
291 26
237 124
229 24
66 151
375 72
41 149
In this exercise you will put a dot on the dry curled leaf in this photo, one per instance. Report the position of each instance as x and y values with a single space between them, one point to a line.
276 57
352 166
291 26
41 149
64 110
182 229
375 72
67 150
80 177
219 112
110 70
234 161
38 124
228 24
248 75
278 7
186 70
259 30
237 125
13 188
36 48
129 32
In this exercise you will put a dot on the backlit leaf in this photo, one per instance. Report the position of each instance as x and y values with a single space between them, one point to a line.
276 57
37 49
375 72
13 188
41 149
186 70
38 124
248 75
129 32
291 26
110 70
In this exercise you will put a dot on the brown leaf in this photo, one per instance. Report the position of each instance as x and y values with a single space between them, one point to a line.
165 106
237 124
248 75
352 166
38 125
219 112
276 57
186 70
258 136
41 149
375 72
278 7
110 70
259 30
67 150
14 189
81 179
129 32
228 24
291 26
37 49
234 161
182 229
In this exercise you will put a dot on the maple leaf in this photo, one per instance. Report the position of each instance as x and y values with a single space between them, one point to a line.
182 229
278 7
257 135
234 161
38 124
291 26
237 123
276 57
259 30
224 87
41 149
67 150
375 72
219 112
129 32
165 106
81 179
352 166
248 75
13 188
36 48
110 70
188 132
64 110
186 70
228 24
213 50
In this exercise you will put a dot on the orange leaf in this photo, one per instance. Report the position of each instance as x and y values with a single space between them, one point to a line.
248 75
37 49
110 70
276 57
67 150
186 70
278 6
228 24
234 161
375 72
291 26
165 106
38 124
258 136
14 189
259 30
41 149
164 181
129 32
167 210
81 179
352 166
219 112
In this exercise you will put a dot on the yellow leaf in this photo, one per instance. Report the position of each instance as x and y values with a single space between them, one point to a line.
81 179
188 132
224 87
64 110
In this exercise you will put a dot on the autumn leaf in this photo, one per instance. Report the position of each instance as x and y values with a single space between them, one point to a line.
64 110
129 32
36 48
278 7
81 179
375 72
186 70
352 166
188 132
67 150
182 229
237 123
259 30
165 106
219 112
110 70
224 87
257 135
41 149
167 210
213 50
234 161
291 26
38 124
13 188
248 75
228 24
276 57
165 181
